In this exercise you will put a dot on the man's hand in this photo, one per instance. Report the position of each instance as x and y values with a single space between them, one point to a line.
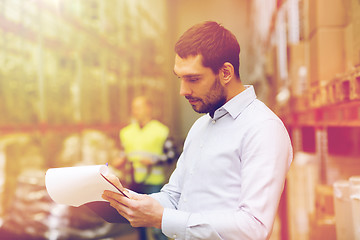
146 161
119 162
140 210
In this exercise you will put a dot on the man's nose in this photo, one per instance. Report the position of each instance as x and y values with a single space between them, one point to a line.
184 89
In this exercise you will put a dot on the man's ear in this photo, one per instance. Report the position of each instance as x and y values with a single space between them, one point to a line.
227 72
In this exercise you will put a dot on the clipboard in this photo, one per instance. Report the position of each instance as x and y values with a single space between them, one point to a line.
106 212
83 186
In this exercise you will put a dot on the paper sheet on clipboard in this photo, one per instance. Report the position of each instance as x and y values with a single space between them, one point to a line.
75 186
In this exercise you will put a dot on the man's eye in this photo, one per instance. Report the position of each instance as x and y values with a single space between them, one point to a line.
193 79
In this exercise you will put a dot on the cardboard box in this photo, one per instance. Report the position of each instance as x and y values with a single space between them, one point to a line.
327 55
324 202
355 7
349 48
322 229
328 13
301 181
304 19
298 68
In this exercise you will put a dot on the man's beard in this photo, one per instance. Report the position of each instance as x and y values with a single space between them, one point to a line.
215 99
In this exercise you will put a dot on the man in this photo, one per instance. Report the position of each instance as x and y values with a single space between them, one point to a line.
144 141
228 180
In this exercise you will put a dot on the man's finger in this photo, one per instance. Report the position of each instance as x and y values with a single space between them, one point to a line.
121 209
109 195
115 180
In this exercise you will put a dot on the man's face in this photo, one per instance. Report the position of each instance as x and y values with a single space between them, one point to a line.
140 109
199 85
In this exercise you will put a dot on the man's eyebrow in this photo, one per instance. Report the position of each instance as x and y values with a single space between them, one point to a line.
191 75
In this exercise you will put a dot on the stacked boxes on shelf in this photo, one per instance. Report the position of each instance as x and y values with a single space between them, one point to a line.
63 50
327 21
324 73
67 65
333 37
324 66
347 206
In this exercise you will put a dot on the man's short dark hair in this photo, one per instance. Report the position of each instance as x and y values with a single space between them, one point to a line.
215 43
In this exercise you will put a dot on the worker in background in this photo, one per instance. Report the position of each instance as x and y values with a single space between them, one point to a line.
229 178
147 149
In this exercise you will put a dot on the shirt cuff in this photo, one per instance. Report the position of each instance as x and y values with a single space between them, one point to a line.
174 223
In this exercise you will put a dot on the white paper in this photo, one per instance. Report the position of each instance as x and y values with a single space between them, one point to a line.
76 186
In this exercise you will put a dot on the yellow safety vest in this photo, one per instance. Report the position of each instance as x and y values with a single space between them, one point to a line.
144 142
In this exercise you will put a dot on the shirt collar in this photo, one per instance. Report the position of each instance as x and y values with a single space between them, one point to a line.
237 104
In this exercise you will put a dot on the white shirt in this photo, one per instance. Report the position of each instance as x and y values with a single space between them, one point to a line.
228 180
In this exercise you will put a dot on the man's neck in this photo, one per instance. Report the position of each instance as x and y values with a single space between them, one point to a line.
143 123
235 90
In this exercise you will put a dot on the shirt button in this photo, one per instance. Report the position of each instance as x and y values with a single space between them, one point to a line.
213 121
